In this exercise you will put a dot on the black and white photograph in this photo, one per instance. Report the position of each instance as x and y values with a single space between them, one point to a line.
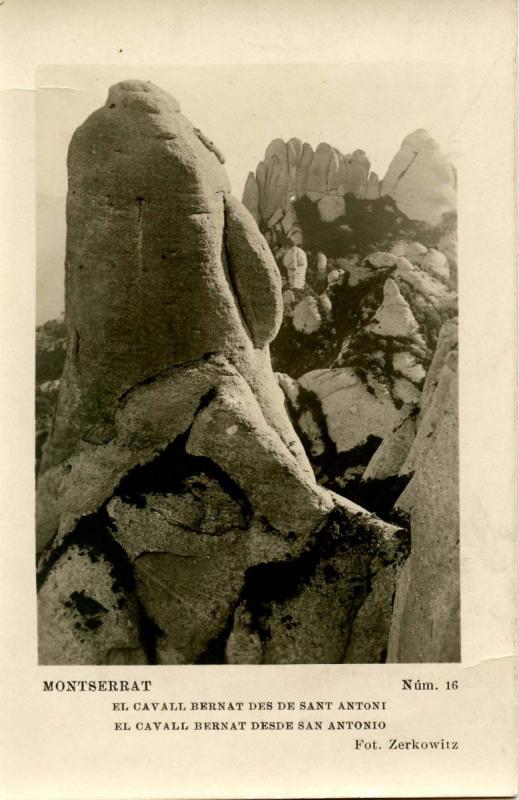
258 420
246 397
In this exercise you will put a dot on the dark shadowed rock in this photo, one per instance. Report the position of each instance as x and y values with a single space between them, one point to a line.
370 630
307 609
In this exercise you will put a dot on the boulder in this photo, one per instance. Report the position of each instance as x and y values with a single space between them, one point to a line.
295 263
351 410
373 187
393 317
322 264
435 262
358 174
306 317
334 276
434 292
289 301
324 303
380 259
391 454
414 251
408 365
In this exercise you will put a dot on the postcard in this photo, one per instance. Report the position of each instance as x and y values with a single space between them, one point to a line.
259 424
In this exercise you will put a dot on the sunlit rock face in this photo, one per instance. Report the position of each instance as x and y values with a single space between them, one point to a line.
421 180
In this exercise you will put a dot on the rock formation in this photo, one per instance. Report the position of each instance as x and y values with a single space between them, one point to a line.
361 365
295 263
393 317
179 519
426 622
421 454
359 356
373 283
419 179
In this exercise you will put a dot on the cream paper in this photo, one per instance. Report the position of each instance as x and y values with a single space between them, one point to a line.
64 744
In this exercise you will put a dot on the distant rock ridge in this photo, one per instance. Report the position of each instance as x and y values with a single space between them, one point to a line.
419 178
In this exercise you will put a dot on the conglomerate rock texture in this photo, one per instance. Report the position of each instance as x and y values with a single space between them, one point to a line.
179 519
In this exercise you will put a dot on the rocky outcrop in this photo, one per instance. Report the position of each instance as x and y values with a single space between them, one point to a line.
291 170
352 413
335 252
393 317
293 616
179 520
375 345
425 623
356 356
421 180
295 263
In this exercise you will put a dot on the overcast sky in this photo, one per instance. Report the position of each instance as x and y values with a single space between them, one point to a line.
242 108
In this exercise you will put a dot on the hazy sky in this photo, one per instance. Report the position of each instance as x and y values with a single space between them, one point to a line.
242 108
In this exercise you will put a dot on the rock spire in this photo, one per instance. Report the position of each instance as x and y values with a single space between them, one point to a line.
174 494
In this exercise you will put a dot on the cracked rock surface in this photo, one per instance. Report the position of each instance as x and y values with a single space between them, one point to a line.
179 519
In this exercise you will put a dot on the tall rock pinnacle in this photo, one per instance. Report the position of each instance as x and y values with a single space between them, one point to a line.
172 481
146 284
